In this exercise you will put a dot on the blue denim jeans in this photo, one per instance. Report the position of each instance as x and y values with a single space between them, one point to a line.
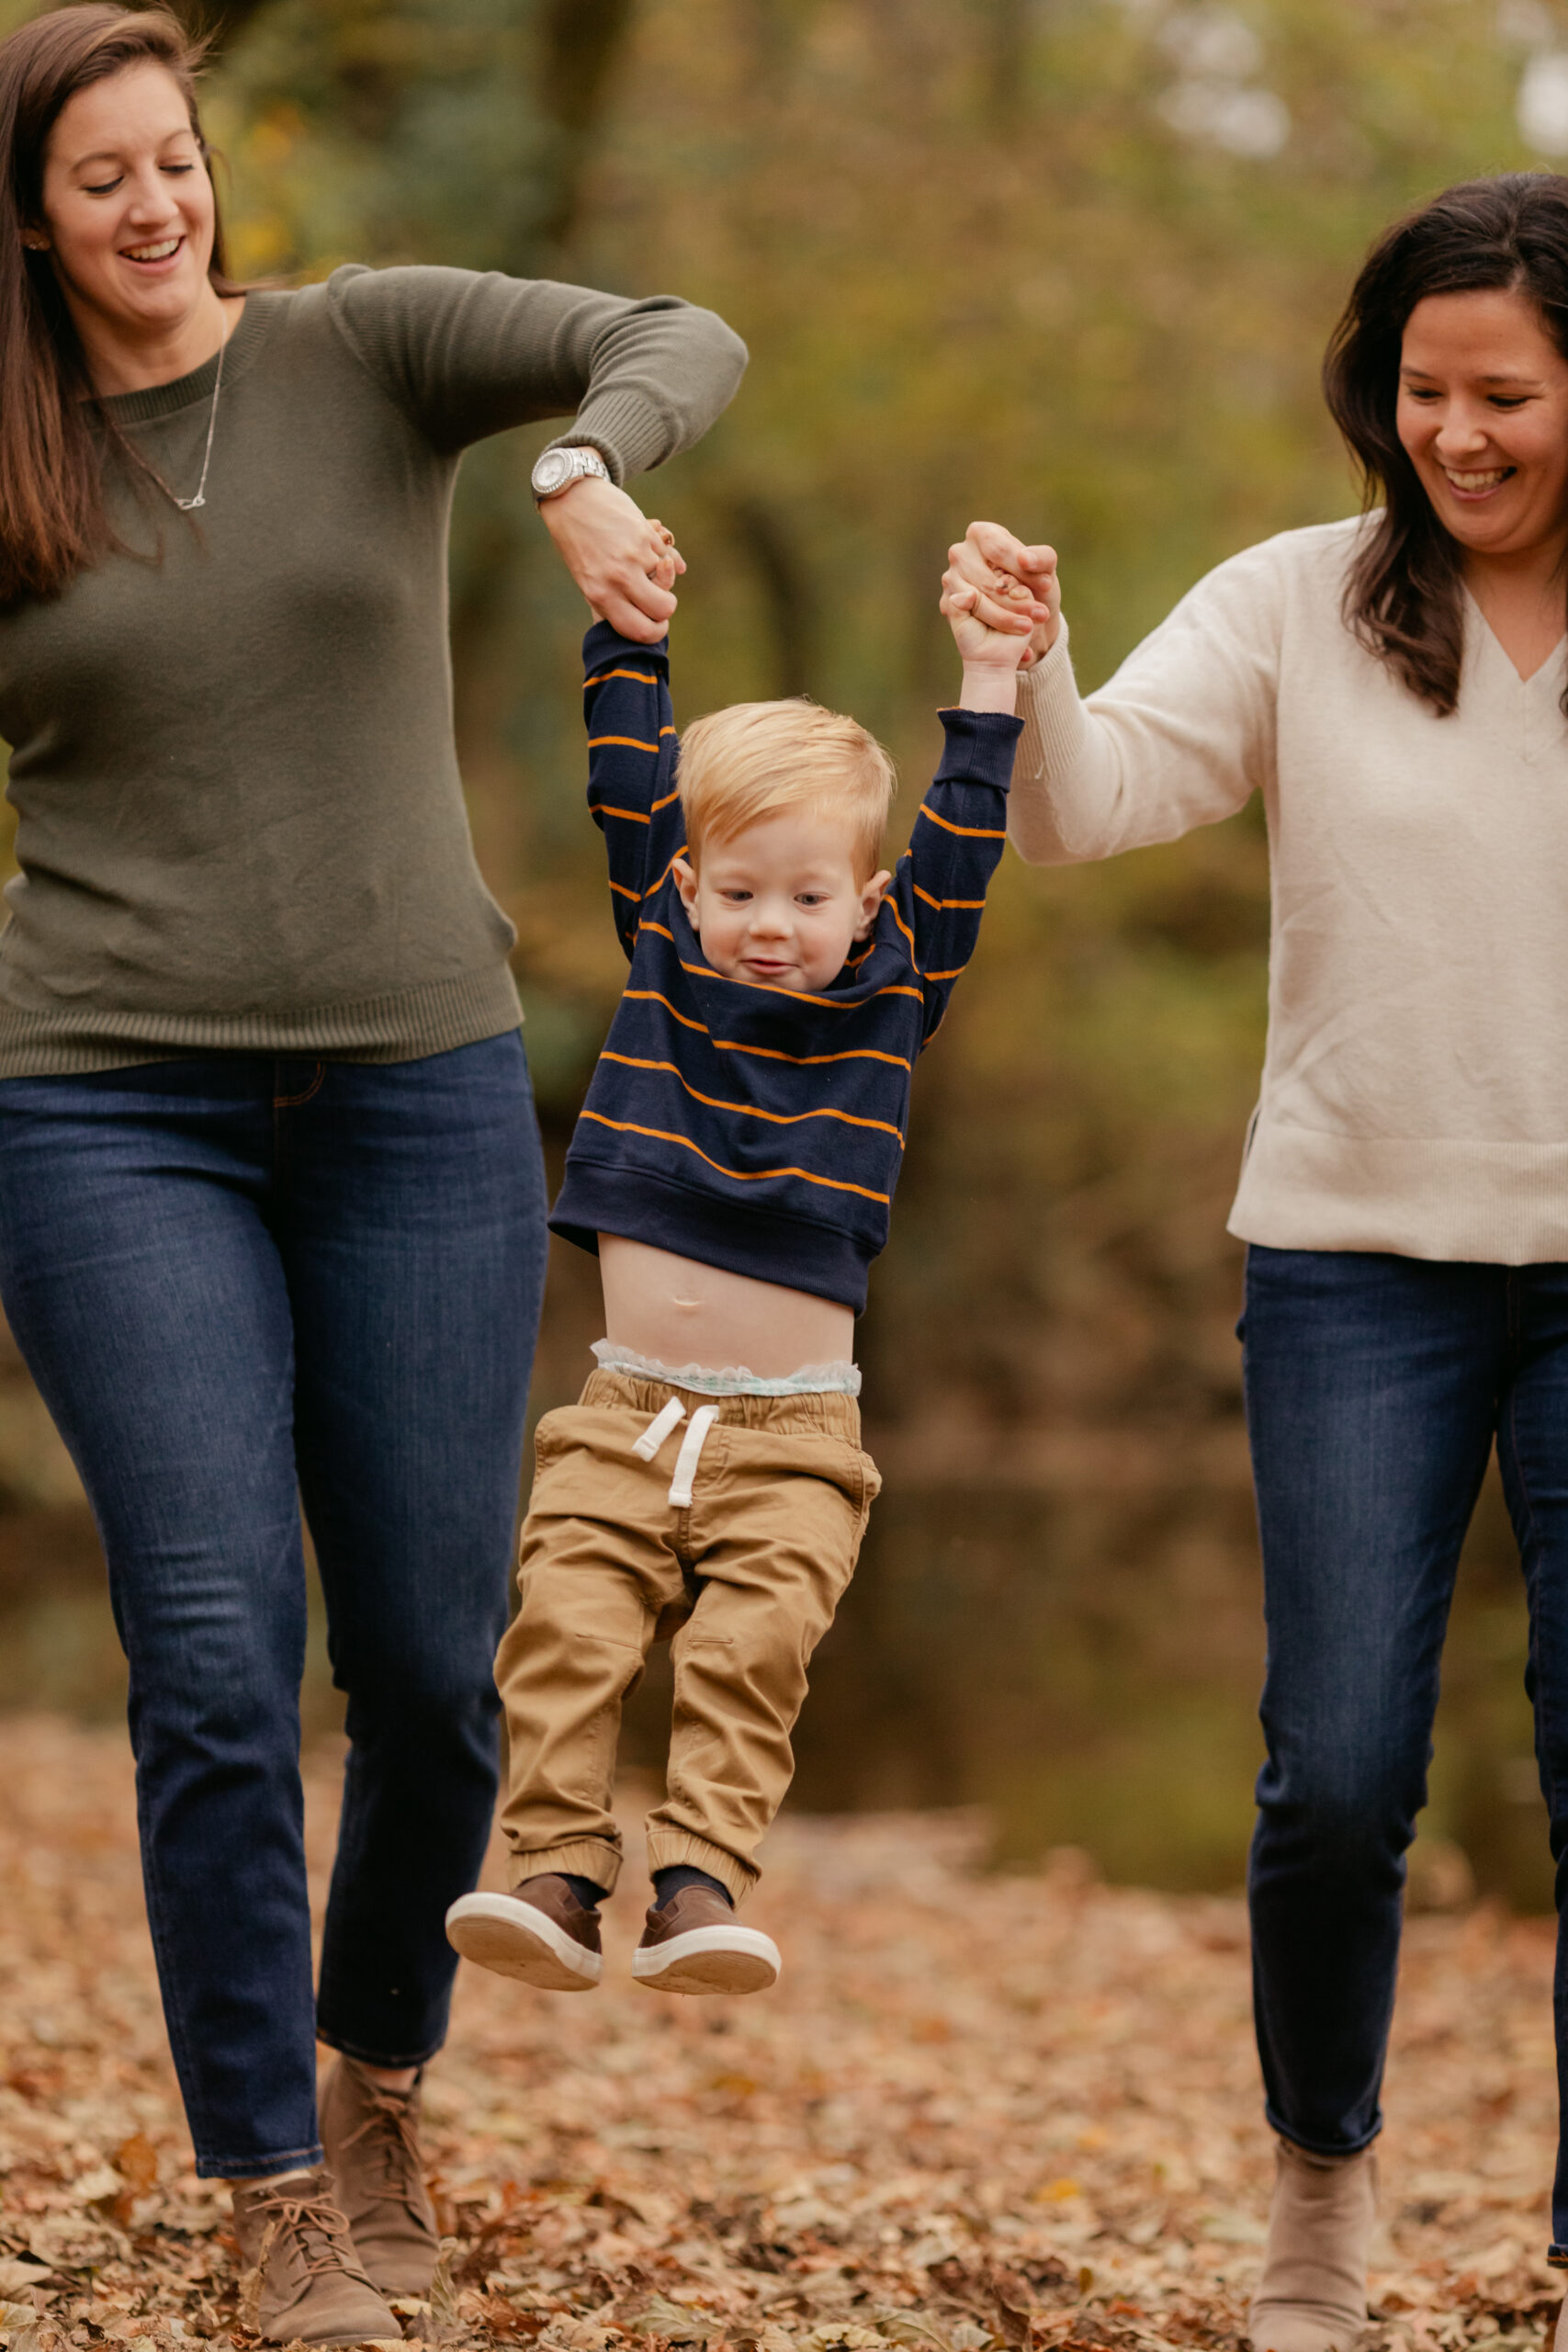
238 1281
1375 1388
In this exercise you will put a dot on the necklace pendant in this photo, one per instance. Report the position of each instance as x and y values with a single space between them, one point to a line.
189 505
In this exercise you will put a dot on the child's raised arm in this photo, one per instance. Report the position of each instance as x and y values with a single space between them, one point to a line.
631 767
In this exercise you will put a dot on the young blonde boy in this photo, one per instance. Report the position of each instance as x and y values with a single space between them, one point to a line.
734 1168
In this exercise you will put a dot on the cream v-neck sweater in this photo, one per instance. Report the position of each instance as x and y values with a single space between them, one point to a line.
1414 1093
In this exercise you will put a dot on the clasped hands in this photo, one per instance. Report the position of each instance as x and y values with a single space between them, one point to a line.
626 564
1009 586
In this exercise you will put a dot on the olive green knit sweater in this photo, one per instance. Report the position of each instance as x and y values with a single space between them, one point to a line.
240 824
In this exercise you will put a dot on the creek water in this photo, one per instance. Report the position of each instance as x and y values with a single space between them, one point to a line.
1079 1657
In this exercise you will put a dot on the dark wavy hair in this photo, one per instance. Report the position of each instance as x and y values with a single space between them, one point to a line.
52 517
1403 596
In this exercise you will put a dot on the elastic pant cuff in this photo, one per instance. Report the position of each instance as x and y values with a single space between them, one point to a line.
592 1858
666 1847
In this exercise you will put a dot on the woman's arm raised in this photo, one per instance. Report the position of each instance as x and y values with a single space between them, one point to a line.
466 355
1182 736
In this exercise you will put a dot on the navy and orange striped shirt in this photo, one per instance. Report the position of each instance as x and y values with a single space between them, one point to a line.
749 1127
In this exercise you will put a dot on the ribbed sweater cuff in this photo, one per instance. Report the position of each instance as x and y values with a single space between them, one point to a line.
1055 727
627 430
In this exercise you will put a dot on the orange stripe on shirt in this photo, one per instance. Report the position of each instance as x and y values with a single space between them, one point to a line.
907 931
632 742
632 816
651 996
748 1111
971 832
801 1061
973 906
736 1175
643 677
765 1053
799 996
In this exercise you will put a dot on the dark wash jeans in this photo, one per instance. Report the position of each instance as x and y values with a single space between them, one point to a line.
1375 1388
237 1280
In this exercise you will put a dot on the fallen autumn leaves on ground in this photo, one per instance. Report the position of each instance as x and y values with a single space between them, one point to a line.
978 2110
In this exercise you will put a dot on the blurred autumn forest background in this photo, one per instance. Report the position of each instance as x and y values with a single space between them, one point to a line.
1070 263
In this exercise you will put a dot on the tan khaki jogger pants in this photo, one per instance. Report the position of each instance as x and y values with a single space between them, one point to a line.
745 1577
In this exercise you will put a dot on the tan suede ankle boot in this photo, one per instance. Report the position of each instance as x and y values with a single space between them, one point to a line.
1312 2294
303 2281
371 2137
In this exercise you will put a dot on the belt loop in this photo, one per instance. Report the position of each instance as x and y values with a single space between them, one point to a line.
690 1455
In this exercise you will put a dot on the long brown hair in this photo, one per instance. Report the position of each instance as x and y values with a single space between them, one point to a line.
1403 599
52 516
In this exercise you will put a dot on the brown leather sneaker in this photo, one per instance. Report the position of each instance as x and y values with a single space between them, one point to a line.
697 1945
371 2137
541 1935
307 2283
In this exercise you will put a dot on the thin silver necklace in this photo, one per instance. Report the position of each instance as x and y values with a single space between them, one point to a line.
189 505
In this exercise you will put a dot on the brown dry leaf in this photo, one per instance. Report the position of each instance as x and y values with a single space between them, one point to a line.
1077 2159
136 2161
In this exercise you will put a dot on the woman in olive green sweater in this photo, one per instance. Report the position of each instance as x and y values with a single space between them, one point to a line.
271 1206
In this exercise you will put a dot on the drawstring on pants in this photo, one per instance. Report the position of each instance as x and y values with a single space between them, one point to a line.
691 1445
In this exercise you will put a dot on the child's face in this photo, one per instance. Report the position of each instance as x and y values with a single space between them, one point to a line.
780 903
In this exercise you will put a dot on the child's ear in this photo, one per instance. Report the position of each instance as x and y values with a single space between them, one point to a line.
686 883
871 899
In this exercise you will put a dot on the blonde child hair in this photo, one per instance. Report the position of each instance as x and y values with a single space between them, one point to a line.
753 759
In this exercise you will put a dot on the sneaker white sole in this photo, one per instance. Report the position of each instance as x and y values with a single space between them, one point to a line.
709 1959
502 1933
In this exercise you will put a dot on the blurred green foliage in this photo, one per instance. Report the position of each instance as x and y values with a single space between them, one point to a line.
1072 263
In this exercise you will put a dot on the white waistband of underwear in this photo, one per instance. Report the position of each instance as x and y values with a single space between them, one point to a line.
811 1380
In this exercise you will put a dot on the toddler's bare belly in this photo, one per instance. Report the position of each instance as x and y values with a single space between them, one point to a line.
681 1312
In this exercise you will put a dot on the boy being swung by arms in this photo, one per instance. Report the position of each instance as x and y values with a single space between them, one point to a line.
734 1168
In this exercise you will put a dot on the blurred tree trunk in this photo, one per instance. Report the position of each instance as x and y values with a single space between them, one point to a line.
771 549
578 44
217 21
1009 46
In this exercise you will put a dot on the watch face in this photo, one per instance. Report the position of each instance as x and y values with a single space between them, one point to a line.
553 469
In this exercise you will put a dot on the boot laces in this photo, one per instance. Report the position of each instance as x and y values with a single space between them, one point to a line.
392 2136
314 2220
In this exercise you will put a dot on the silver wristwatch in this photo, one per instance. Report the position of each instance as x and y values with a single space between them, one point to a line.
556 469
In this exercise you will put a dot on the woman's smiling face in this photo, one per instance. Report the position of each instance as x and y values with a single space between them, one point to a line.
1483 416
127 208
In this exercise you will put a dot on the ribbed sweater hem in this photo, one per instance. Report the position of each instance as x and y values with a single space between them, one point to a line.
403 1027
1492 1203
630 1202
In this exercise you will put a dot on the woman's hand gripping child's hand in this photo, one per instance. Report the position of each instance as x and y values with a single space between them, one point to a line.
991 655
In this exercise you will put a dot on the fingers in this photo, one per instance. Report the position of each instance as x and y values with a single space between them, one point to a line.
633 603
995 544
665 562
989 601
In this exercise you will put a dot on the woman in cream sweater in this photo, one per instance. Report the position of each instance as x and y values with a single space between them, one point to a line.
1396 688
